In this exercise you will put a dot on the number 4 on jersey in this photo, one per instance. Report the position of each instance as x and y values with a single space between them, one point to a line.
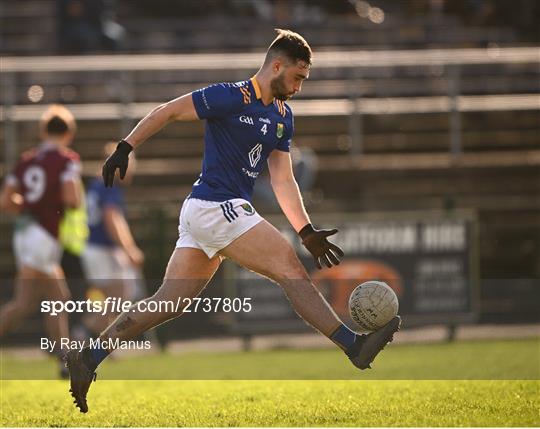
264 129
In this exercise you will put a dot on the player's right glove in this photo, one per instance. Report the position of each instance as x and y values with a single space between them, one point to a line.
118 159
318 245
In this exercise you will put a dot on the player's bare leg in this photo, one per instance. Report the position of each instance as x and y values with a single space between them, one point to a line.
110 288
188 272
31 286
23 303
264 250
55 289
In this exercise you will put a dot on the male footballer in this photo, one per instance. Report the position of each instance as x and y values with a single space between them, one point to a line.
44 183
247 124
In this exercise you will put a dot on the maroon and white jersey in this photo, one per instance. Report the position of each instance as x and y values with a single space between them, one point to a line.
39 175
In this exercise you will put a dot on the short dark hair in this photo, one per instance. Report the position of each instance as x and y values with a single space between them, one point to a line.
291 45
56 126
57 121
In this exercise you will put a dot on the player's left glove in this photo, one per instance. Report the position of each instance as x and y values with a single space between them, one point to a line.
318 245
118 159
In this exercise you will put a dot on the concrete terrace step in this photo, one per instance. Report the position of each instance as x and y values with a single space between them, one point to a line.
335 107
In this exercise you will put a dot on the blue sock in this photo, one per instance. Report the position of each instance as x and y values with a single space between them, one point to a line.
343 337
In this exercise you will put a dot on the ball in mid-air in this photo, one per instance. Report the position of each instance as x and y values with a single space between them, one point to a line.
372 305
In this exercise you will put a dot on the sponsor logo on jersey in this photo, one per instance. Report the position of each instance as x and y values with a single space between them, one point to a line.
265 120
280 129
252 174
246 120
248 210
205 101
255 155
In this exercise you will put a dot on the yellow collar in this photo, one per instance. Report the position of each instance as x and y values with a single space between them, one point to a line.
256 87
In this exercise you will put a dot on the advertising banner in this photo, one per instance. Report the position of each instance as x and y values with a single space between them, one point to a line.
428 259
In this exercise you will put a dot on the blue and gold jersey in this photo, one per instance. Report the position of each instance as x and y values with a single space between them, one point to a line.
240 134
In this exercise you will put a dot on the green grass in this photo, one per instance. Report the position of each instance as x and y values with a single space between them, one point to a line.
489 400
480 360
275 403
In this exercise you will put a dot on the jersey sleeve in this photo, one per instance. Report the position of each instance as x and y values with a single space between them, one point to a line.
284 143
71 168
217 100
72 171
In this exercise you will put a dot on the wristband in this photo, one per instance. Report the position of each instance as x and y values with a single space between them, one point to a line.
306 230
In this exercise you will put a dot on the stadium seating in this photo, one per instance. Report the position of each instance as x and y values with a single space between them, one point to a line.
402 161
29 28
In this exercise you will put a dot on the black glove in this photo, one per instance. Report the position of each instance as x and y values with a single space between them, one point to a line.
322 250
119 159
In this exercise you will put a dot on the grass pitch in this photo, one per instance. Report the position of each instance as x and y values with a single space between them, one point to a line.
359 402
275 403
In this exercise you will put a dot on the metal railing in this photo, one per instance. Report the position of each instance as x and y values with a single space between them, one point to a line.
356 62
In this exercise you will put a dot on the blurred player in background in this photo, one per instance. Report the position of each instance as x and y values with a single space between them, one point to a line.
111 260
45 182
247 124
73 234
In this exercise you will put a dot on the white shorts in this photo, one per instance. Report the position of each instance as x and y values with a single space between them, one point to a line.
212 226
101 264
36 248
105 263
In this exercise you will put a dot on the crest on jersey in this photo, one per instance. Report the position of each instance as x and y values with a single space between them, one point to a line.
248 210
280 129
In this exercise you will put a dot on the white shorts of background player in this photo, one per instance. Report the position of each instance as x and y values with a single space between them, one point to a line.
36 248
102 263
